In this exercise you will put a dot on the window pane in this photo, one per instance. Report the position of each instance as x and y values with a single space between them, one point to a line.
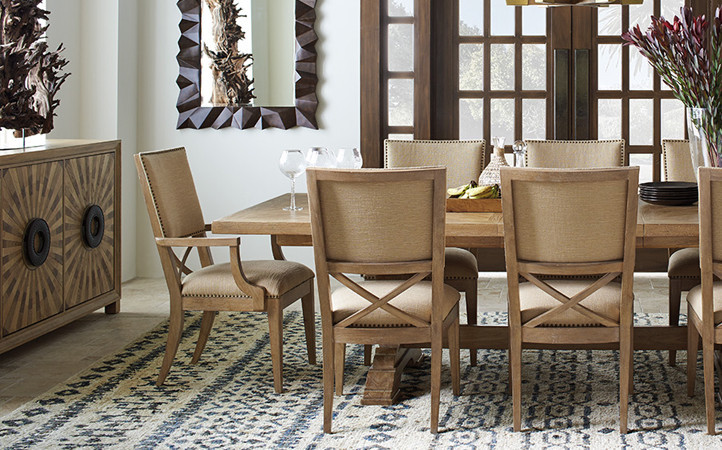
502 18
471 115
645 163
401 102
534 21
609 21
401 47
641 75
471 17
534 118
502 66
610 67
609 113
670 8
401 8
534 67
672 119
471 67
641 14
402 137
641 126
502 118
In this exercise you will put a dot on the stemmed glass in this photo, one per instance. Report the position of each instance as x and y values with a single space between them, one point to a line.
319 157
348 158
519 149
292 164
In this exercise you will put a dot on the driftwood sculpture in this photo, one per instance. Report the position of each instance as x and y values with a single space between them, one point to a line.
231 84
30 74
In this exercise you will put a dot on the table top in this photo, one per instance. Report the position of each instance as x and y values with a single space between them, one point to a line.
657 226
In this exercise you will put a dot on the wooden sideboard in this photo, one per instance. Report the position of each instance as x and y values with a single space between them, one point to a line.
60 235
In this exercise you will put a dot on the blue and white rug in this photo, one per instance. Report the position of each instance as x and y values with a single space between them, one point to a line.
227 400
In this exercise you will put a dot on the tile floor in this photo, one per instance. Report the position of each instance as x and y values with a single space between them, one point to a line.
33 368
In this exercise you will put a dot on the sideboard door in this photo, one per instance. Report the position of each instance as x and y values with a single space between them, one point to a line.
32 253
89 227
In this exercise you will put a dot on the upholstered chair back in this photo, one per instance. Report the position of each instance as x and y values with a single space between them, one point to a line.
464 160
380 216
170 193
676 161
570 216
574 154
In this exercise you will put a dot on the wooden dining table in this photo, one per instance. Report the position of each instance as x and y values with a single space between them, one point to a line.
657 227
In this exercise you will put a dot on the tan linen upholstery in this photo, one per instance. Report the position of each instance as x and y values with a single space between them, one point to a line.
416 301
276 277
694 298
535 302
173 191
676 161
460 263
684 263
464 160
574 154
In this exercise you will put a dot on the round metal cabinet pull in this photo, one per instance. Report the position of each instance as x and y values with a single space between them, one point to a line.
93 226
36 242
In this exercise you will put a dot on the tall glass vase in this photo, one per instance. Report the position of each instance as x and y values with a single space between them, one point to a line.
705 139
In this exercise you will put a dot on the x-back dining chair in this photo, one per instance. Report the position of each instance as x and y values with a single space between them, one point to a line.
263 286
464 161
570 222
358 228
704 302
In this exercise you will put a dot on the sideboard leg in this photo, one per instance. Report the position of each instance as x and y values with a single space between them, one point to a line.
113 308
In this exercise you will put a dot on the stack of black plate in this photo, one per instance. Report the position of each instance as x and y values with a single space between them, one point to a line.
671 193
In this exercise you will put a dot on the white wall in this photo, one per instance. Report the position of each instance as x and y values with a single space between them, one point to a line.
234 169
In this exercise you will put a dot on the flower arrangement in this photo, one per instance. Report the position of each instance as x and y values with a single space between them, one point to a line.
687 55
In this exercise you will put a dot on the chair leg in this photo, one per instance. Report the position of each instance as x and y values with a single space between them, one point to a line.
708 361
626 354
436 349
515 369
455 356
675 298
328 373
339 363
275 331
206 326
309 324
471 314
367 354
692 347
175 331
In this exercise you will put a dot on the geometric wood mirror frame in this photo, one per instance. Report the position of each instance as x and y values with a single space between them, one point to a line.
192 115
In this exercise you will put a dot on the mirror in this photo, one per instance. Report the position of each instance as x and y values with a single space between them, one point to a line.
271 80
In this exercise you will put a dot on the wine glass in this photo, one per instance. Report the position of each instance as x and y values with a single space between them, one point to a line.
319 157
348 158
292 164
519 149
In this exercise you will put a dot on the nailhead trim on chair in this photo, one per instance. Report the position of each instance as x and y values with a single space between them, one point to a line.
607 141
664 152
447 141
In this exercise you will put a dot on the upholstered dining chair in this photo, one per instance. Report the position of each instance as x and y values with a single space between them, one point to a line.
683 268
574 154
704 302
358 228
262 286
464 161
570 222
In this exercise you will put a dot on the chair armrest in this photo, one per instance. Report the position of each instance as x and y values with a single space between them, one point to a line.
199 242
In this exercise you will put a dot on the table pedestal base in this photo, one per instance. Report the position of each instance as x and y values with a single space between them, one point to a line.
384 377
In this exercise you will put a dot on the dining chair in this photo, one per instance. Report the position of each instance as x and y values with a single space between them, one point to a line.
563 222
359 228
262 286
704 302
574 154
464 161
683 268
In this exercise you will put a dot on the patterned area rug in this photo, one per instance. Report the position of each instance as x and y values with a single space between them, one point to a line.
227 400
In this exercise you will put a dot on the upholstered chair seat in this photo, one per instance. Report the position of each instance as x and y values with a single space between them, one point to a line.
460 264
684 263
694 298
416 301
276 277
535 302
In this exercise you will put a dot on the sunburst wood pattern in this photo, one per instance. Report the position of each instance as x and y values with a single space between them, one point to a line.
29 192
88 271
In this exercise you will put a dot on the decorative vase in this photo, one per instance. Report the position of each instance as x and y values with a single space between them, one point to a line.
705 139
490 176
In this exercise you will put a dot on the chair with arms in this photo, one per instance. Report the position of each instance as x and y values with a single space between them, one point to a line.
464 161
357 228
704 302
570 222
264 286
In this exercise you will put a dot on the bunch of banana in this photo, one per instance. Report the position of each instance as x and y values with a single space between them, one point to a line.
473 190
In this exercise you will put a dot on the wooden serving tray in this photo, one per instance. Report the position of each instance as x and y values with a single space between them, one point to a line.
473 205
